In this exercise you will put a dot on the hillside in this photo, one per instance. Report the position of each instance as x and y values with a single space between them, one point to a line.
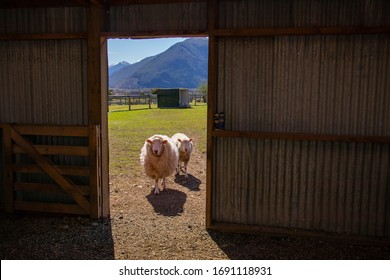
185 65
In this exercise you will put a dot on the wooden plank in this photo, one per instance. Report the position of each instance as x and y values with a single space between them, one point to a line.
63 170
99 3
85 3
97 100
49 188
47 130
51 170
103 147
256 32
42 3
145 2
49 207
56 150
301 31
155 34
8 187
96 116
303 136
41 36
95 187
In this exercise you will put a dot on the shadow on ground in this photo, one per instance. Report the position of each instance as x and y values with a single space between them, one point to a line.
168 202
26 237
192 183
264 247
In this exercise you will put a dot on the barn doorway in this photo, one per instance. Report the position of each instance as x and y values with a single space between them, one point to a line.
134 116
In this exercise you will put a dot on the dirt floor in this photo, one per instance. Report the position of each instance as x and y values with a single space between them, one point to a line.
166 226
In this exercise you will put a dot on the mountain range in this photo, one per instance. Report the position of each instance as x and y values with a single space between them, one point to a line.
183 65
114 68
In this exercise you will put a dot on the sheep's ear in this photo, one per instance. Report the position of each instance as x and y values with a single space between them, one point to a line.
179 140
191 139
149 141
165 141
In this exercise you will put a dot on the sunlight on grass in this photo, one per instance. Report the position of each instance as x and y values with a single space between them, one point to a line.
129 129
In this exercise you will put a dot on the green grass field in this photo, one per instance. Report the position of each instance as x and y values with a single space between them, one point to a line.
128 131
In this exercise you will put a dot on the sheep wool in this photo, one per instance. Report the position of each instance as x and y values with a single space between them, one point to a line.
185 146
159 157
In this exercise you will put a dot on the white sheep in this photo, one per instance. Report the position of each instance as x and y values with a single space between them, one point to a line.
159 156
184 145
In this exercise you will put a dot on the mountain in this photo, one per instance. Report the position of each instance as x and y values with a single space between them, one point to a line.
184 65
114 68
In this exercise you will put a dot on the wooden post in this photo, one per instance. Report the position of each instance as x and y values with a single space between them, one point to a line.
212 79
97 94
94 181
94 19
104 161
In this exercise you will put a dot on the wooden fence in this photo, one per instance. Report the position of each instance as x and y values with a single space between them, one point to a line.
147 100
132 100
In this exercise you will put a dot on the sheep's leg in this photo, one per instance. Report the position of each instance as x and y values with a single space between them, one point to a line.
181 167
178 168
185 170
156 188
164 185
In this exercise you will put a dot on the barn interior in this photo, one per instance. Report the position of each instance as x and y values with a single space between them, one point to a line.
303 85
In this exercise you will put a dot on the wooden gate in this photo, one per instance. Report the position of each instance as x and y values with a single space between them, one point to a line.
52 169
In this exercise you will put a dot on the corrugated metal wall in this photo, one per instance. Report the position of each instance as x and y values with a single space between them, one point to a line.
308 84
43 20
303 13
323 84
44 81
317 186
175 17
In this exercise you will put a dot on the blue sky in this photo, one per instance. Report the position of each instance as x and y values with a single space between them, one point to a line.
134 50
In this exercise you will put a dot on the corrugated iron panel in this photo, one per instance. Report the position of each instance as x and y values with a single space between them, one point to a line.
305 84
304 13
43 20
178 17
340 188
44 81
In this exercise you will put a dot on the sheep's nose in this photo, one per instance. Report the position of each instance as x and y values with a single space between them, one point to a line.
155 152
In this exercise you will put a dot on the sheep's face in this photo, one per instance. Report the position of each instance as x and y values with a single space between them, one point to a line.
185 145
156 146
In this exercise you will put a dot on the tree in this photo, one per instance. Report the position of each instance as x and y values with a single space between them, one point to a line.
202 89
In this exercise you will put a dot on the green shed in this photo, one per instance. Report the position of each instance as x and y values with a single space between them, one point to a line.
173 98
